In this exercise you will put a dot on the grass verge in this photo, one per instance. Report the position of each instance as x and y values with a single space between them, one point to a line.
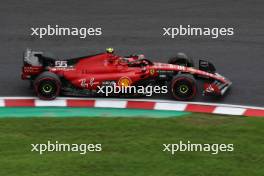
132 146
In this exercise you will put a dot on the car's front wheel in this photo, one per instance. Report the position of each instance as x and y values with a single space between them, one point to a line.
47 86
183 87
181 59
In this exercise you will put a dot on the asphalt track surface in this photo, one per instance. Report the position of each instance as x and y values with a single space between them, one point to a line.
136 27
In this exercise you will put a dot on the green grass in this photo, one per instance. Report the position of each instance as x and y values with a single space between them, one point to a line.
132 146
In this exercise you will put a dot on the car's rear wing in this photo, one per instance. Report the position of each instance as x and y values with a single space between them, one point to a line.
32 64
32 57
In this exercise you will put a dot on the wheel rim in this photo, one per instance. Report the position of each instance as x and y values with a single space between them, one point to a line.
47 89
183 89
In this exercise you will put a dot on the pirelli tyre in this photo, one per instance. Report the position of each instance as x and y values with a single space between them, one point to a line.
183 87
181 59
47 86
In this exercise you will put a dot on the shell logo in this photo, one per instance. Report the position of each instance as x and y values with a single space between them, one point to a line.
124 82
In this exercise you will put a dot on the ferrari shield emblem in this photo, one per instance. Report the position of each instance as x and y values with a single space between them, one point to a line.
152 71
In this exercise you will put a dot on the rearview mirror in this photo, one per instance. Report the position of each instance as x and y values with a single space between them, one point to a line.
206 66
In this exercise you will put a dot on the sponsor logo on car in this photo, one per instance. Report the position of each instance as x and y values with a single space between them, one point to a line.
124 81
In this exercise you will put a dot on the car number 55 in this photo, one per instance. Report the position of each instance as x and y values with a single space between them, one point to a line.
61 64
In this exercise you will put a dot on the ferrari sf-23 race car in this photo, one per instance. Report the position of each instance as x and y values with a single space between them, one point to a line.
51 77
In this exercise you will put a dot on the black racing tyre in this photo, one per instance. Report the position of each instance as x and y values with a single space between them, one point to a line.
181 59
183 87
47 86
182 62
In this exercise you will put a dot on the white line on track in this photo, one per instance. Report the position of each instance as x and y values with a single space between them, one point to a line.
229 110
110 104
61 103
2 103
170 106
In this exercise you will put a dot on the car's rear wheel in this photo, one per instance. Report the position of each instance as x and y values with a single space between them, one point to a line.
183 87
47 86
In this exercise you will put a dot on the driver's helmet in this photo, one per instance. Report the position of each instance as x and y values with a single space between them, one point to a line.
110 50
141 56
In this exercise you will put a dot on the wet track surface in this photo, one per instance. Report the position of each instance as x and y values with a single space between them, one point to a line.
137 28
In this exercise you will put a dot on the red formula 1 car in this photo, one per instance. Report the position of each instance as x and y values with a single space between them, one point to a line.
83 76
